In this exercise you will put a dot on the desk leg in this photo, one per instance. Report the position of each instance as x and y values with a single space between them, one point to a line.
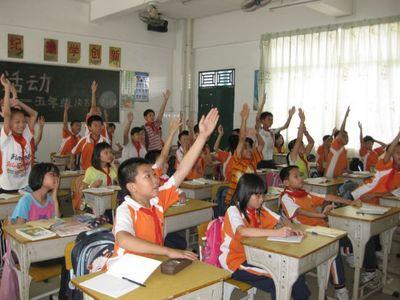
286 277
386 241
323 271
24 280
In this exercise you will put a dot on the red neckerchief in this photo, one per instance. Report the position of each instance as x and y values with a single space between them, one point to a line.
157 224
137 146
299 193
107 173
22 142
304 160
153 127
252 213
391 177
94 140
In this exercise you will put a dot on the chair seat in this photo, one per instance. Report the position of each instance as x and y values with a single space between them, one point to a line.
243 286
39 274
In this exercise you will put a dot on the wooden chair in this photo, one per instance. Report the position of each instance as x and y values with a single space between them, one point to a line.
231 284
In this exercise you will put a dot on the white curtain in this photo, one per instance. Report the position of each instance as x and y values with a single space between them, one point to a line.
325 69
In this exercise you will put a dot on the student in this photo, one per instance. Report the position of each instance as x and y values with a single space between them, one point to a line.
337 157
280 147
139 219
246 157
225 156
86 144
133 146
41 121
15 142
95 110
266 119
249 218
152 125
323 152
302 207
369 155
41 202
236 131
386 179
102 172
70 134
297 152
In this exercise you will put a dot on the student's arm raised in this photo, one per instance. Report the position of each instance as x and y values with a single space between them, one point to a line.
361 134
65 118
129 120
295 151
219 138
343 126
292 111
160 114
244 115
6 103
310 142
389 151
174 125
259 111
41 122
206 126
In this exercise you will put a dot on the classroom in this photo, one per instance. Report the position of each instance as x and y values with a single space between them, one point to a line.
199 149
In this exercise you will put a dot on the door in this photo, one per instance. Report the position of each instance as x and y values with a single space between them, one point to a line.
217 89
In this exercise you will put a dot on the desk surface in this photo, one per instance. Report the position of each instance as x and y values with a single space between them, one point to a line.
11 230
71 173
194 186
10 200
308 245
190 206
325 182
160 286
350 212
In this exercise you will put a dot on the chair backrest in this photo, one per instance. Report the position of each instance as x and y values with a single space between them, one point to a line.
68 258
76 190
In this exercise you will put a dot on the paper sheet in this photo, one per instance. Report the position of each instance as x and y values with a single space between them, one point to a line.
109 285
7 196
290 239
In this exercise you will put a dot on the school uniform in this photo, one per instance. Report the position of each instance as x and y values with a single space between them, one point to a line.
69 142
268 136
370 157
85 147
337 159
302 163
16 159
153 134
240 166
224 157
198 168
142 222
133 149
92 174
233 257
385 180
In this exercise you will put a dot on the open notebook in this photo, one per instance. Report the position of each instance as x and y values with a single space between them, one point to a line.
325 231
290 239
372 209
117 281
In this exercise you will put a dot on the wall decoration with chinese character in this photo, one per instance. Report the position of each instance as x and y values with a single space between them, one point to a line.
50 50
142 87
94 54
73 52
46 88
15 46
115 57
128 85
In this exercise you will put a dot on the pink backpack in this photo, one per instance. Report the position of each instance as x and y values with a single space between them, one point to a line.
211 251
9 281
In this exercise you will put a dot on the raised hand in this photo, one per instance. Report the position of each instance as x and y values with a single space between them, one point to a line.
301 115
5 82
175 124
166 95
359 125
347 111
67 106
245 111
41 121
129 117
207 124
220 129
94 86
292 111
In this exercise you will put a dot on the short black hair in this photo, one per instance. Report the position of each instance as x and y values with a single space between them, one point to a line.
15 111
96 161
337 133
237 130
250 141
265 114
75 121
152 156
127 172
148 111
38 172
136 130
368 138
291 144
196 129
285 172
111 125
326 137
184 132
94 118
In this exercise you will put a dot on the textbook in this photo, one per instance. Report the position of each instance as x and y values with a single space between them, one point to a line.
68 228
325 231
372 209
44 223
35 233
8 196
99 190
289 239
124 274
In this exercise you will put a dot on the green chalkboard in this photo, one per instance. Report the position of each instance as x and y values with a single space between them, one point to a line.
46 88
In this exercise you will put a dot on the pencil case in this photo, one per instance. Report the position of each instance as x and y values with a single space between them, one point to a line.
173 266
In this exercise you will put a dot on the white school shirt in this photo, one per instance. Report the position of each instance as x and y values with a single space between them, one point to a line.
15 175
129 151
269 140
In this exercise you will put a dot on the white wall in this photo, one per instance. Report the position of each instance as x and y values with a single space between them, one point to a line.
69 20
232 40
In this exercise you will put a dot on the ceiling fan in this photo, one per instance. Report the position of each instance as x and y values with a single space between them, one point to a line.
252 5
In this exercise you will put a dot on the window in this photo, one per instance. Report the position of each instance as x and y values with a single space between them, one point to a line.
217 78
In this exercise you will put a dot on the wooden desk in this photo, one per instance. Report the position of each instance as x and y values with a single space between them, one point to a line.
360 228
271 201
391 201
281 166
280 159
286 261
199 191
323 185
192 213
357 178
197 281
66 178
100 202
60 159
7 206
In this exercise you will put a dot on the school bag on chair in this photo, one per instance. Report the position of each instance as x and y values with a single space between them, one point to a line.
89 255
211 251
